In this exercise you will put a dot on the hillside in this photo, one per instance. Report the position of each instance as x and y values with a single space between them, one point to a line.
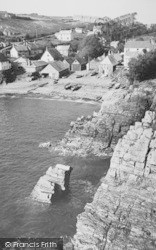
24 26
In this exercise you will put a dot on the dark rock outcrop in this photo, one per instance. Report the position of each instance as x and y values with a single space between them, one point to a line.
123 212
99 133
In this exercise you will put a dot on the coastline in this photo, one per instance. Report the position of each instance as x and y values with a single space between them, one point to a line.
91 91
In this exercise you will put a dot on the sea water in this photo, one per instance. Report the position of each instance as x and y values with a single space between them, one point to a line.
24 123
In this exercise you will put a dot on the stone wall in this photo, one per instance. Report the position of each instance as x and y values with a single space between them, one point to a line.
123 212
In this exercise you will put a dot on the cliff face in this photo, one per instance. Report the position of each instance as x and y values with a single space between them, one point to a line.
123 212
99 133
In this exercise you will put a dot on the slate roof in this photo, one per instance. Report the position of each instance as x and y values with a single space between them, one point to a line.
39 63
139 44
3 58
34 46
59 65
81 61
21 47
69 60
112 60
55 54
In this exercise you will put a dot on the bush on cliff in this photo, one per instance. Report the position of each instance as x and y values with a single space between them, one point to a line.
143 67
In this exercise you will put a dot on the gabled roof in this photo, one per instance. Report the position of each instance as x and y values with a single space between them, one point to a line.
39 63
54 53
59 65
80 60
139 44
21 47
111 59
3 58
35 46
117 57
69 60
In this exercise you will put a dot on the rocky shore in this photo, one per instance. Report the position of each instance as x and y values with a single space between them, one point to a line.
123 212
98 134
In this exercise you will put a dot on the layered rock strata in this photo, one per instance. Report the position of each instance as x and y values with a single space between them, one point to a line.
123 212
99 133
55 178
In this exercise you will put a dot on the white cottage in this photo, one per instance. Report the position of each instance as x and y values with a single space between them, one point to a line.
65 35
108 65
63 49
19 50
55 70
50 55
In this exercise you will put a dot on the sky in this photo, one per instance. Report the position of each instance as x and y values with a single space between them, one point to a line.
112 8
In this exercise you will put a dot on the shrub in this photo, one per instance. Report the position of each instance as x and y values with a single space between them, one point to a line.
143 67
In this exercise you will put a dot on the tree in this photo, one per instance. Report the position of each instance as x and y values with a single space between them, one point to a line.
143 67
120 47
1 77
91 47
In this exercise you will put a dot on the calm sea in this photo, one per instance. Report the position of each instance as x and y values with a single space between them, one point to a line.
24 123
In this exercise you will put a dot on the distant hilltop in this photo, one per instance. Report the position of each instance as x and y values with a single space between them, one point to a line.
124 19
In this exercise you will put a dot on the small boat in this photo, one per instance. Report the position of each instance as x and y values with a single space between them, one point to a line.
79 76
68 86
76 87
94 73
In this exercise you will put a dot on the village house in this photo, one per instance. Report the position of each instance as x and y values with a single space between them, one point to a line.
90 32
35 49
108 65
55 70
93 64
4 63
78 65
68 62
134 48
19 50
63 49
50 55
30 66
65 35
97 29
79 30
